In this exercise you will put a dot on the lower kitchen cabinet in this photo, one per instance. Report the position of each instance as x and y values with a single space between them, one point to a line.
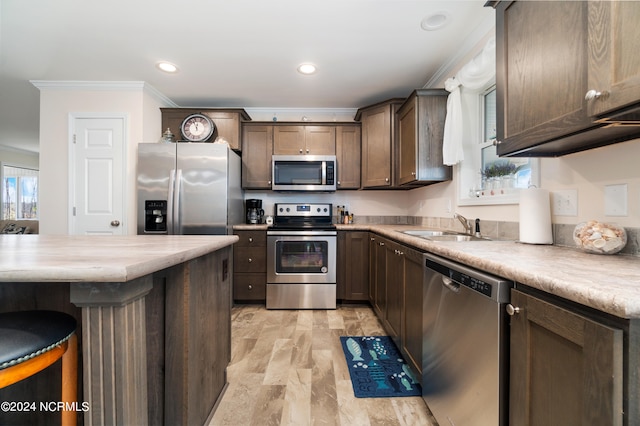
250 266
395 292
353 266
565 368
412 308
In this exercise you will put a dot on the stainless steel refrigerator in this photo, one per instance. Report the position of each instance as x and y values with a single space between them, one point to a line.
188 188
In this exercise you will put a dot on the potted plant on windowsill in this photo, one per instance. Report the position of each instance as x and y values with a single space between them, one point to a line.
499 176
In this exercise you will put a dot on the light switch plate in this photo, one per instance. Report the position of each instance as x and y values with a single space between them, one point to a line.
565 202
615 200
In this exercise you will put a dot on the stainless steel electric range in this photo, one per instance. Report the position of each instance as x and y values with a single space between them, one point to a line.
301 257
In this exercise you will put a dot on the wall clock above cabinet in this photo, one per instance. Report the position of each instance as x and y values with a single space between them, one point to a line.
205 124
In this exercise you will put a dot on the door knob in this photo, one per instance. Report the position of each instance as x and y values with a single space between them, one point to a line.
115 223
512 310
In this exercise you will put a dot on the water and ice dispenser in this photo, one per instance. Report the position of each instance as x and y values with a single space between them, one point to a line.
155 216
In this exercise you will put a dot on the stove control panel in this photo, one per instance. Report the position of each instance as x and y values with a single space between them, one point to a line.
304 210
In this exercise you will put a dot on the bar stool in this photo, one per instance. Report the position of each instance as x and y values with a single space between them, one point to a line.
30 341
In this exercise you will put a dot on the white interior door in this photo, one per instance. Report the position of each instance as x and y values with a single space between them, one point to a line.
97 178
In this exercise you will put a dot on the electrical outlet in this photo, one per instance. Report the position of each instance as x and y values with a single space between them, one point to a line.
615 200
565 202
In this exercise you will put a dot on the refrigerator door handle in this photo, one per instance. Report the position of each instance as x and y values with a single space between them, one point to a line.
170 202
177 223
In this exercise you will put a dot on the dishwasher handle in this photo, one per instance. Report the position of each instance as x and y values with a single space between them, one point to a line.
450 284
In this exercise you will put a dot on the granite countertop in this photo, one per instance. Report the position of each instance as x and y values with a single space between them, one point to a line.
82 258
608 283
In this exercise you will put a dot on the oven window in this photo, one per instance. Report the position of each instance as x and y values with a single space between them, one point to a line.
298 172
301 257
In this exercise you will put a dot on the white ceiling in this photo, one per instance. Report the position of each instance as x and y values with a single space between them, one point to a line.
232 53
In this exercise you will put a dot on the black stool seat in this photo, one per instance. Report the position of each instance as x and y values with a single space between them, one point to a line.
27 334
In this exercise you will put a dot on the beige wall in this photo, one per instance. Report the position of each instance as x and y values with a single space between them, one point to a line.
56 106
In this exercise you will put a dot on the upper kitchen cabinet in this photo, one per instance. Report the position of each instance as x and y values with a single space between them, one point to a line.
614 63
379 129
304 140
543 52
257 141
348 156
228 122
420 134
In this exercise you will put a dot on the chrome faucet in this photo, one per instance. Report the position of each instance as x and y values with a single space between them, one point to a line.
463 220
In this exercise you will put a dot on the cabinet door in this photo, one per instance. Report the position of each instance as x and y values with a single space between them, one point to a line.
356 257
373 243
380 282
614 63
412 309
407 142
257 147
348 148
541 72
320 140
288 140
227 127
395 290
376 147
565 369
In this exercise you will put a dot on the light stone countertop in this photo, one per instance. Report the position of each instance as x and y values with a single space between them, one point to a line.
88 258
608 283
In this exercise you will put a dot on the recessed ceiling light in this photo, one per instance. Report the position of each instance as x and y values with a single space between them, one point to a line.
167 67
307 69
435 21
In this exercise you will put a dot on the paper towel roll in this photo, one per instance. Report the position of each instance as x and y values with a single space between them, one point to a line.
535 216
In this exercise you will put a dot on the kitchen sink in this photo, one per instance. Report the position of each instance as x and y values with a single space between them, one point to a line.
433 235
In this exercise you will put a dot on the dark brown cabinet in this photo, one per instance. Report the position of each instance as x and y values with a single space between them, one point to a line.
566 368
395 292
378 275
257 141
228 122
304 140
614 63
412 308
348 150
379 129
250 266
420 134
545 53
353 266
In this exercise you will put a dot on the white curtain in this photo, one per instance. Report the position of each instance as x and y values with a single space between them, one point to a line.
473 76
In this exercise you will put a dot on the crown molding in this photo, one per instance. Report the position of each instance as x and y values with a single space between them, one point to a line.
109 86
296 114
484 30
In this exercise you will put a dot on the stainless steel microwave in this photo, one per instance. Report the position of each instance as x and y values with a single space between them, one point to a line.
303 173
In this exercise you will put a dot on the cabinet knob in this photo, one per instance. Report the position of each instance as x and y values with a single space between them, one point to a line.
594 94
512 310
307 150
250 287
386 180
380 243
250 239
338 183
413 173
250 260
269 182
300 150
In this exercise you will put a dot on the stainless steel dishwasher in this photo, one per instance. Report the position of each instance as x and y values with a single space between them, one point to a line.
465 344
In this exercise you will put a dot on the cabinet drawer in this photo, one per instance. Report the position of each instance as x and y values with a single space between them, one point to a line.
251 238
249 286
250 259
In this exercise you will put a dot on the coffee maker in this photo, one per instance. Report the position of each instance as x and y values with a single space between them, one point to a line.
254 212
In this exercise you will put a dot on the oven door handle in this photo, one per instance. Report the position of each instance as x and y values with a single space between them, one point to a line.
301 233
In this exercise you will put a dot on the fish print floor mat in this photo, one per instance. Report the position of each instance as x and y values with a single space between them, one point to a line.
377 368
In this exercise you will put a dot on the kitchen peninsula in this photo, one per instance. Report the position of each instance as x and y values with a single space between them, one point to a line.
152 310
